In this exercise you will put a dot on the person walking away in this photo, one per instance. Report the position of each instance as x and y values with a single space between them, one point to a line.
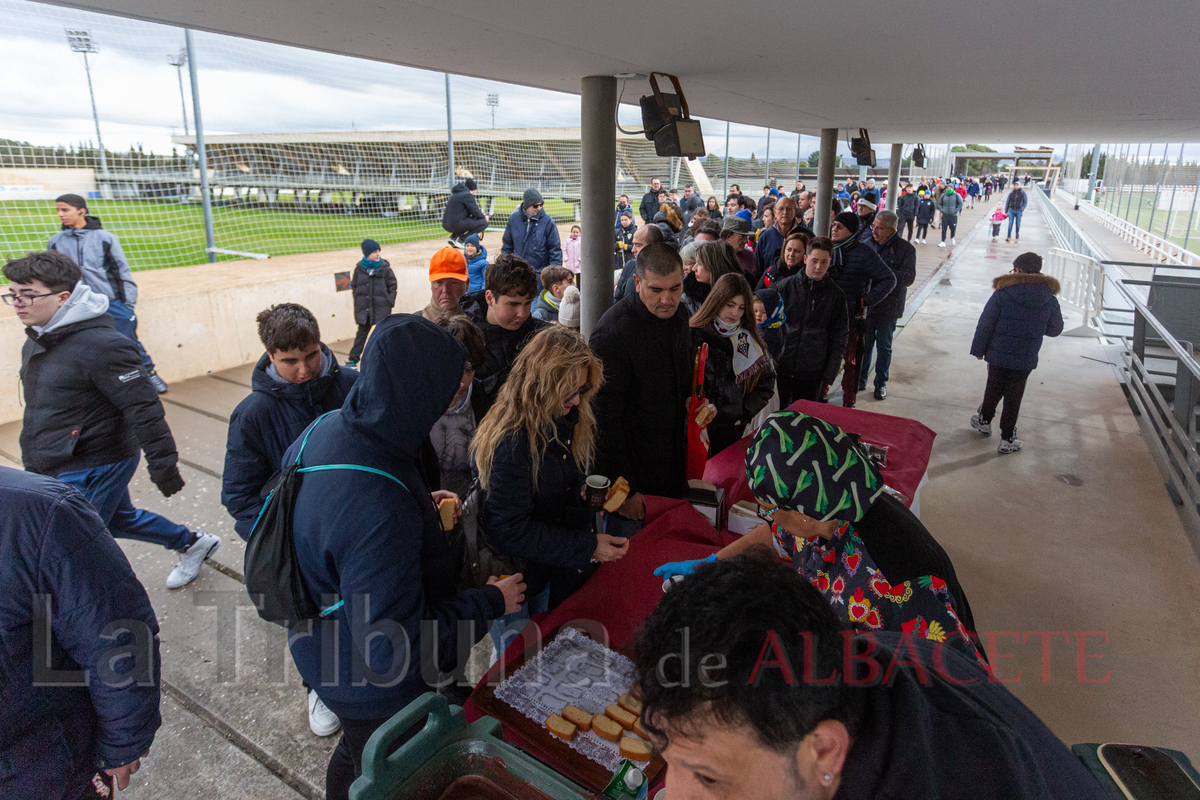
532 235
997 218
374 287
739 377
1022 309
463 217
374 540
71 604
901 258
89 407
556 281
572 253
865 280
645 345
502 312
926 209
815 327
295 381
906 211
533 452
105 270
1014 206
951 205
449 280
477 263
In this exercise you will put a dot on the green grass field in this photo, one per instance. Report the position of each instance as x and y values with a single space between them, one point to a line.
1133 206
161 235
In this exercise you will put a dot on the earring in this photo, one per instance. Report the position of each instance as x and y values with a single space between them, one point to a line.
826 779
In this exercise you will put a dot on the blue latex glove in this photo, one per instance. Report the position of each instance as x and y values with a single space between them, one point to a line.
674 568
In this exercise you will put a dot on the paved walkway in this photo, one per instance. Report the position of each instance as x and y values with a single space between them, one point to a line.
1074 536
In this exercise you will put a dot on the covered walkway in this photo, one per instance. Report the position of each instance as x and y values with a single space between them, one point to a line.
1071 552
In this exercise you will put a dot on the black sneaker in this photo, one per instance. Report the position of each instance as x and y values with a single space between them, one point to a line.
158 383
880 392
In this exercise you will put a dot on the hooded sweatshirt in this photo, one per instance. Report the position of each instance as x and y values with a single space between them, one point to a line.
266 423
86 246
88 402
378 546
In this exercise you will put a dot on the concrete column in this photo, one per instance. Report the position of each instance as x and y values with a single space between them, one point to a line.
829 141
894 176
598 141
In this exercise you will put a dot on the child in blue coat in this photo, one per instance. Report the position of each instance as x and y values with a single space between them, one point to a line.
1019 313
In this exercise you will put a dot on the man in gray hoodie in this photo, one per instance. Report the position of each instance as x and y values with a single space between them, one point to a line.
105 269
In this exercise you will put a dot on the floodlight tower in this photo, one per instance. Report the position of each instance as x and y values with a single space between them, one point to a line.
81 41
493 100
179 62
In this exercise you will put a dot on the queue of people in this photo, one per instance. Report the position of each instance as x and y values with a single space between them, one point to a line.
507 409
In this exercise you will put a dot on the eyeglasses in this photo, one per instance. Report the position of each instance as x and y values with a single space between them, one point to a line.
22 300
536 205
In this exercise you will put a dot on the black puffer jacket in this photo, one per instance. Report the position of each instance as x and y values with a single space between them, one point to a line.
88 402
503 345
461 207
374 293
641 410
734 407
906 206
816 329
861 275
547 524
901 258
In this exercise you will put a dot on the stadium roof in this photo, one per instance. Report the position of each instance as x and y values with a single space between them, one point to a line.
908 70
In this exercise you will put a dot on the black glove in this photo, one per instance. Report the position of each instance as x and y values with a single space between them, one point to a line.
169 482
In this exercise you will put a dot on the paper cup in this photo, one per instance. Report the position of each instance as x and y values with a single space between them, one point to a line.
597 491
670 582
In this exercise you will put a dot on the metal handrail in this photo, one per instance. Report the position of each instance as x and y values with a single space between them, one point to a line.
1172 254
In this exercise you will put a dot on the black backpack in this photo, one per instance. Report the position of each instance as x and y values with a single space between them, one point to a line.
273 578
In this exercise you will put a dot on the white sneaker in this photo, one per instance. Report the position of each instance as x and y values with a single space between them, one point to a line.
1009 446
942 244
952 240
190 560
321 721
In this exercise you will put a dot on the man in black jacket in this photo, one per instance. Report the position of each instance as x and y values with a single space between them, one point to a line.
503 313
901 259
865 280
89 406
814 327
641 411
906 210
463 216
649 206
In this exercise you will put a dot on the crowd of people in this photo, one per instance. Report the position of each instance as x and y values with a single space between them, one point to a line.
491 403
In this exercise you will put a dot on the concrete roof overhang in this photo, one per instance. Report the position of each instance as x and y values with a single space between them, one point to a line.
919 70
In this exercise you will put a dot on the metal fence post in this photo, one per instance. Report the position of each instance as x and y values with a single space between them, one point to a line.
205 197
726 161
1162 169
1191 217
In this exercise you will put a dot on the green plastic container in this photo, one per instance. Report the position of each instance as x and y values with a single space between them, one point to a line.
445 750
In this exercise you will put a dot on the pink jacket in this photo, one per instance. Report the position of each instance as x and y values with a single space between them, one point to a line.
571 255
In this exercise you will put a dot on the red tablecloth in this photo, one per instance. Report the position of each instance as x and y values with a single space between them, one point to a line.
623 593
910 444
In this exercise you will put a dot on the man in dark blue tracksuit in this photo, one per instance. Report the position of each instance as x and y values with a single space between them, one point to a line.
377 545
532 235
74 719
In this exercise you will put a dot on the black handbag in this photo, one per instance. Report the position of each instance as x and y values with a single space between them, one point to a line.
272 574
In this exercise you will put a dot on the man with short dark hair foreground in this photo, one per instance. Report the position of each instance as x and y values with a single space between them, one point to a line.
752 691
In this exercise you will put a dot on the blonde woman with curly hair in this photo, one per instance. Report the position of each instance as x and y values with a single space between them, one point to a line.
532 452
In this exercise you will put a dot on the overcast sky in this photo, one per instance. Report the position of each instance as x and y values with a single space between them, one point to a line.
254 87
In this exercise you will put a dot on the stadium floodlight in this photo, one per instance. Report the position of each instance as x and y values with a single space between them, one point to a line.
493 100
179 62
81 41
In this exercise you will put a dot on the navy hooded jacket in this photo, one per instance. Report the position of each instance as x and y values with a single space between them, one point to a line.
265 424
477 266
379 547
534 239
1019 313
53 738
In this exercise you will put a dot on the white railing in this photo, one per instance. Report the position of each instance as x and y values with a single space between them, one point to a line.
1159 249
1081 282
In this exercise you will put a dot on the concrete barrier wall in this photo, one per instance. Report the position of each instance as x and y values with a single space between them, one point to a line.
201 319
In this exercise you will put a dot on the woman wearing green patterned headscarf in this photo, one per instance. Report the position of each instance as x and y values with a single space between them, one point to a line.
814 487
